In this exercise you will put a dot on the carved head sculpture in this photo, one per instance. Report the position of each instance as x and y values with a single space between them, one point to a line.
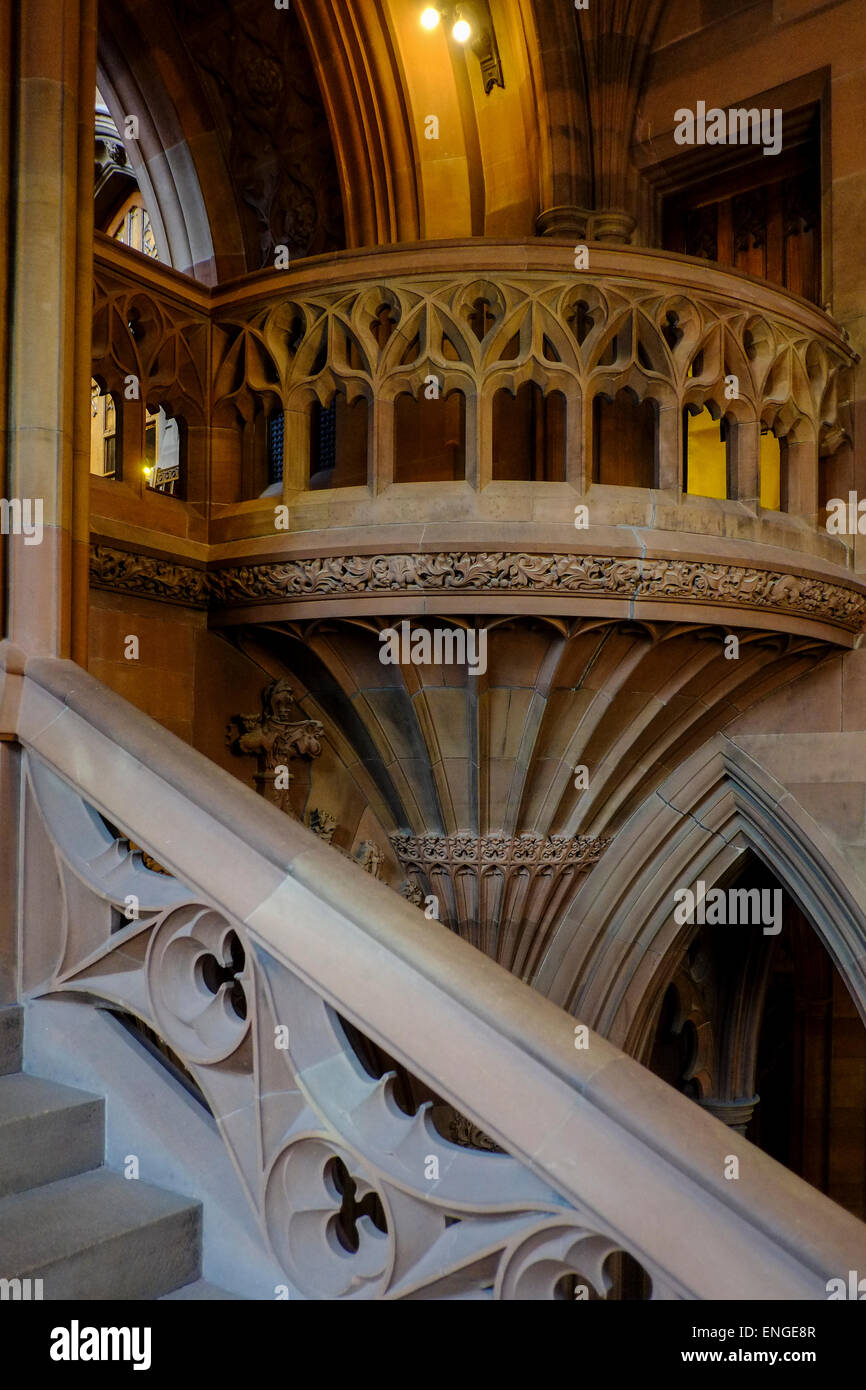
278 701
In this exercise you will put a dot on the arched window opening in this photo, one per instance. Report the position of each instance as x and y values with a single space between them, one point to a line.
164 453
104 433
625 440
132 227
706 453
811 1068
529 435
338 443
430 439
763 1030
770 465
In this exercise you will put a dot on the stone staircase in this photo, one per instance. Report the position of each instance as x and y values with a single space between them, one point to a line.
85 1231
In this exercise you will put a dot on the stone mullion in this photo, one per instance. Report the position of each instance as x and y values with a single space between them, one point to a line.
296 449
574 418
587 440
744 450
670 448
479 434
802 471
381 463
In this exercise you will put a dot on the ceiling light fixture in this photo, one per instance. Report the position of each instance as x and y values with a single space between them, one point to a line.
462 31
430 18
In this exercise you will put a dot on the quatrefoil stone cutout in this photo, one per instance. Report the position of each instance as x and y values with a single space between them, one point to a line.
198 983
328 1223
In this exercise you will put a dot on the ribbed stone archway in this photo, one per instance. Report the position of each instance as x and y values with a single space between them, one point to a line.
618 945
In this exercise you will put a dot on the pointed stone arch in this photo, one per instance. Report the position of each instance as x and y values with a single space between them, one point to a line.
609 954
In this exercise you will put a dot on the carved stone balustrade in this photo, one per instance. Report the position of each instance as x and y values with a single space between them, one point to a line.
252 959
385 325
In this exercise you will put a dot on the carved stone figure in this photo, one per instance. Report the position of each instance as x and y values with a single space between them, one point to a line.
323 823
370 857
275 738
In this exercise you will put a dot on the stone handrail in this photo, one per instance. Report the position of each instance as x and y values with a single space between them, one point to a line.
604 1157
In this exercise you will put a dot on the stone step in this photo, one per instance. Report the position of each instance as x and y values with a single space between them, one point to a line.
101 1236
47 1132
200 1290
11 1035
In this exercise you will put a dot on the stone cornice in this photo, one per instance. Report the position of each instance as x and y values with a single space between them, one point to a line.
656 580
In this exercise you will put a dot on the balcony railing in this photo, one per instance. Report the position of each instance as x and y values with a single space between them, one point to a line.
476 363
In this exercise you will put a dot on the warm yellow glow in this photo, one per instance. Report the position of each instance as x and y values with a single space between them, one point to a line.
770 464
430 18
707 457
147 472
462 30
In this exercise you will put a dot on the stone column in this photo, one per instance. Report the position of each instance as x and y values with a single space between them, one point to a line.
296 450
53 61
802 479
380 460
736 1114
670 446
744 450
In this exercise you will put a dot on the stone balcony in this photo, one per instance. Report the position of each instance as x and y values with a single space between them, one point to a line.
479 325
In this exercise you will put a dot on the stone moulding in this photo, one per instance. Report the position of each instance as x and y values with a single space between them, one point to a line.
537 852
492 572
149 576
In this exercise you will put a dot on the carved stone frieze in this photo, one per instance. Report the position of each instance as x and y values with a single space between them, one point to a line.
529 851
149 576
682 581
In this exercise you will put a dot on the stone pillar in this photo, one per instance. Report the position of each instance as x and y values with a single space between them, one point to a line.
380 461
48 351
736 1114
479 441
563 222
10 761
670 446
6 166
802 479
744 451
296 451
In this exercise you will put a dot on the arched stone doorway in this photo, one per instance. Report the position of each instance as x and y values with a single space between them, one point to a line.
762 1030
